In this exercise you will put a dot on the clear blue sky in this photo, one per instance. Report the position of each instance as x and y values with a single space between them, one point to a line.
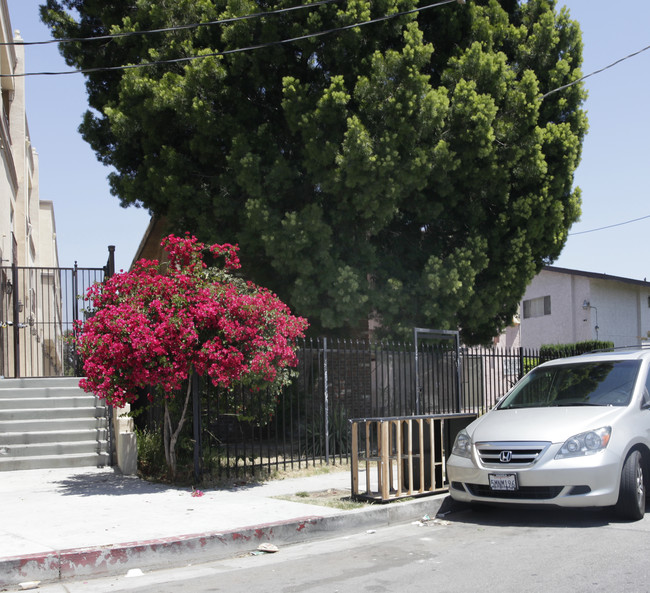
88 217
614 174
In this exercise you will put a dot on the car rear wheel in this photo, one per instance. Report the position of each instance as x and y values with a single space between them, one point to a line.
632 493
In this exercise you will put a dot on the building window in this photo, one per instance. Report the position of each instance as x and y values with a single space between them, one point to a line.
537 307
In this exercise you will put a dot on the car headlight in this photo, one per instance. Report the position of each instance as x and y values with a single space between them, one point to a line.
585 443
462 445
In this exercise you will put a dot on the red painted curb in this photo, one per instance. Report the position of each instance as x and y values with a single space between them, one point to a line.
115 559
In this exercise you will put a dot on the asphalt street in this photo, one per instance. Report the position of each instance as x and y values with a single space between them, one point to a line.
463 551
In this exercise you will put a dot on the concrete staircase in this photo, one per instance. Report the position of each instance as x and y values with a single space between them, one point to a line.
51 423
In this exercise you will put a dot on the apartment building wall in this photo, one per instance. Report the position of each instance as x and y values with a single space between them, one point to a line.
8 177
27 227
30 300
584 306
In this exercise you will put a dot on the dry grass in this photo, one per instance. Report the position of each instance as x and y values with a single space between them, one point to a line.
333 498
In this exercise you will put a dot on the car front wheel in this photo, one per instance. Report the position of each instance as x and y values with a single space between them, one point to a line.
631 496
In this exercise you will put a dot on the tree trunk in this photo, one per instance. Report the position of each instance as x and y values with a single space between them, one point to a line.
170 436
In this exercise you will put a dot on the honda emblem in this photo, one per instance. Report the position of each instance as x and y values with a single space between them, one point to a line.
505 456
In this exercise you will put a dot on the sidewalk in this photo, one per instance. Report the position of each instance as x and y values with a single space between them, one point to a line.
66 523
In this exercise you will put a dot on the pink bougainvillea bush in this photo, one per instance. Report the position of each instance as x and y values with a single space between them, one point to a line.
154 326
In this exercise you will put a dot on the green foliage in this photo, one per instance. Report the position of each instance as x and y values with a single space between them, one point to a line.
530 362
409 170
551 351
151 456
151 453
71 363
338 436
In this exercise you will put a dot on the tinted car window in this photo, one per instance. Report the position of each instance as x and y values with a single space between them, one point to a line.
580 384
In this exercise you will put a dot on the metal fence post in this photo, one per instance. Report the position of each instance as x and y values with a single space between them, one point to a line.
75 294
326 403
196 414
16 320
109 270
459 372
417 373
110 434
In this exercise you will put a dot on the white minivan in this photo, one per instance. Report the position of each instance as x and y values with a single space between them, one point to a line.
574 432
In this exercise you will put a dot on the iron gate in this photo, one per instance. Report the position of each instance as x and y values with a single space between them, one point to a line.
38 311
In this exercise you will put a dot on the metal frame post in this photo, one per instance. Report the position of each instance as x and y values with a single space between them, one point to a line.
110 264
16 320
326 403
443 334
196 415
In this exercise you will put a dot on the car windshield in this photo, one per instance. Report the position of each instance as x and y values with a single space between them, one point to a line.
581 384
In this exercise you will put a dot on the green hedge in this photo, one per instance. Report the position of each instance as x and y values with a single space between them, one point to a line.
551 351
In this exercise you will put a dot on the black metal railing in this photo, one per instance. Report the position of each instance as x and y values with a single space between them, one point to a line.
488 373
243 432
38 311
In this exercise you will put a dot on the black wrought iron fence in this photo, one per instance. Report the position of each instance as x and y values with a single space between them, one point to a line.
244 432
488 373
38 310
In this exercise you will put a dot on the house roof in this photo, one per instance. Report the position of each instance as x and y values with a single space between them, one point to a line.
150 247
597 276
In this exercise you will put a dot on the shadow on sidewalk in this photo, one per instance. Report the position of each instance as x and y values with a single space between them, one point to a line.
111 483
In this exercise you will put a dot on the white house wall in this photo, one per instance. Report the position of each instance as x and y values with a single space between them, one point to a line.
618 306
565 323
621 317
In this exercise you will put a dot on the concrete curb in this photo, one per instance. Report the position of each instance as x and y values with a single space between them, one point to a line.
204 547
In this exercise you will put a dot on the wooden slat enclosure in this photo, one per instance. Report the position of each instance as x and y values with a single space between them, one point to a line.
400 457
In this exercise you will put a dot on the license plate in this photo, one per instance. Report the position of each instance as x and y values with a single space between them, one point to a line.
503 482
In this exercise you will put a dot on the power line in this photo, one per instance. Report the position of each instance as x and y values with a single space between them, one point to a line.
168 29
611 226
259 46
616 63
233 51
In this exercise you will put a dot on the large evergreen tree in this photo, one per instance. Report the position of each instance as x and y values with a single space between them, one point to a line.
410 169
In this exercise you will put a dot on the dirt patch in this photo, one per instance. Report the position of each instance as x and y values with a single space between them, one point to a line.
333 497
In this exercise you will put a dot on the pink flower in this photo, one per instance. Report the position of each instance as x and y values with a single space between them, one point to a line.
151 328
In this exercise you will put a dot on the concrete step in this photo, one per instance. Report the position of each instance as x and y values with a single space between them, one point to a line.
59 448
46 382
41 392
56 424
54 461
63 401
51 423
54 413
52 436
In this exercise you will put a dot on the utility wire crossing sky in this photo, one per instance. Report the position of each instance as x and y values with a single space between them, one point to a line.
614 173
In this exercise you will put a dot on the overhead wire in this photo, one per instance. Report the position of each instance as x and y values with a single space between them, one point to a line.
236 50
616 63
274 43
173 29
255 47
611 226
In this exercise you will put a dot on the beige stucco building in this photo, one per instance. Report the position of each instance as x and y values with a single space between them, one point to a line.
27 230
27 227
